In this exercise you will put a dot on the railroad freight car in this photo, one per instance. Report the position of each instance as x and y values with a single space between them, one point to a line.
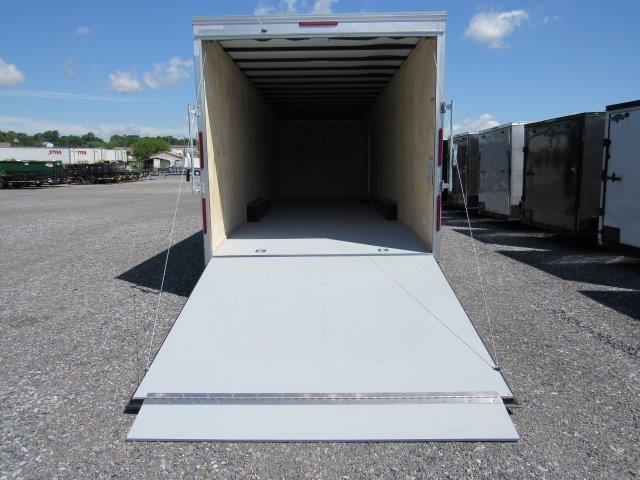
466 168
501 164
562 174
19 174
620 212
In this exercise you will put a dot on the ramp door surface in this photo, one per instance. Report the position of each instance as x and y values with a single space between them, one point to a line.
323 323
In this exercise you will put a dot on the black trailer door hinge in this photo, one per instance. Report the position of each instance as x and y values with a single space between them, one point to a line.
606 142
614 177
619 116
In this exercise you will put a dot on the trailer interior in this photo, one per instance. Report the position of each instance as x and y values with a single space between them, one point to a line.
327 319
321 118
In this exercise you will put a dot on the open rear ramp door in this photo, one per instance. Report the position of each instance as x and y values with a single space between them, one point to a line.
351 335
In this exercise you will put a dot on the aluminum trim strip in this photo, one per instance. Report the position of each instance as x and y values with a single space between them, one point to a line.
378 398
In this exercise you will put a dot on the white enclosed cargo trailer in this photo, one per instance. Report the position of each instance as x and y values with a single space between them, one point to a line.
620 212
65 155
501 170
322 320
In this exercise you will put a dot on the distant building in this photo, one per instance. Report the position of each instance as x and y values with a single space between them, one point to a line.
4 145
47 145
185 162
180 150
162 160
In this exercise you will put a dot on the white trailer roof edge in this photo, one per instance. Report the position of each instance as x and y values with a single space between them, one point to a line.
465 134
500 127
349 25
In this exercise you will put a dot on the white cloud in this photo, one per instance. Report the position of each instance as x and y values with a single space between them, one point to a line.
264 7
323 7
292 6
124 82
493 27
484 121
68 96
10 75
69 67
546 20
29 125
164 74
83 31
319 7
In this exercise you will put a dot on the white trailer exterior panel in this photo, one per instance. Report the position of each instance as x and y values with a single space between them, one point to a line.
620 219
501 170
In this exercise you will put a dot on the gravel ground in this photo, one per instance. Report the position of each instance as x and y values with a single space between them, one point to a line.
80 268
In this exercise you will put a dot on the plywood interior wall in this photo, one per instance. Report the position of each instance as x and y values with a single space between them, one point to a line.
402 123
322 159
242 143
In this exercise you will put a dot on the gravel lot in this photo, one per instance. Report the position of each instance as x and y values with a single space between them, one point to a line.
80 267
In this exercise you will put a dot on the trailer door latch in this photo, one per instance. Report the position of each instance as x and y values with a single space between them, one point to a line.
614 177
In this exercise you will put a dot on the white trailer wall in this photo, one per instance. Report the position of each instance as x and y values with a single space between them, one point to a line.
620 202
501 170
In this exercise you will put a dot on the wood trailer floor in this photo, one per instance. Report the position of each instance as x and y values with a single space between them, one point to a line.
323 322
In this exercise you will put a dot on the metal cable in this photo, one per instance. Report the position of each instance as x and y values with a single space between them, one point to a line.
475 254
164 273
417 300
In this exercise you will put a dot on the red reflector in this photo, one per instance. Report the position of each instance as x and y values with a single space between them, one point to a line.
318 24
440 147
201 147
204 215
438 212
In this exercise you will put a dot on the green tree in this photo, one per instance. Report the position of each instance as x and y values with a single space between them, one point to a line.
123 140
145 147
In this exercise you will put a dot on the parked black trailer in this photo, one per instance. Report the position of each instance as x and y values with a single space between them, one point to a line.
466 169
563 169
101 172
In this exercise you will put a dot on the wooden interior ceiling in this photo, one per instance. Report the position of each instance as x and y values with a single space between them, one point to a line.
320 75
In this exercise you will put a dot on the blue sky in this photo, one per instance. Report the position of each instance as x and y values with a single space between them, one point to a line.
126 67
